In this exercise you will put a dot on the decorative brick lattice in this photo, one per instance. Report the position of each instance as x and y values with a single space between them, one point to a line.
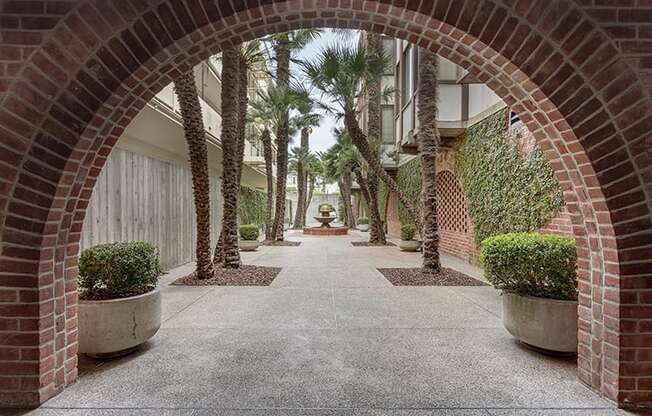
452 214
74 73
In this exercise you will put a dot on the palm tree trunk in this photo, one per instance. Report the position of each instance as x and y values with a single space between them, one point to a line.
348 207
268 155
243 106
193 126
311 190
300 197
282 133
345 216
299 216
375 46
360 141
428 142
227 251
372 203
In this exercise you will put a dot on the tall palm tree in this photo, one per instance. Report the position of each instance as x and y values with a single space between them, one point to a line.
314 171
428 142
284 45
272 108
268 154
193 126
374 94
304 123
341 72
227 253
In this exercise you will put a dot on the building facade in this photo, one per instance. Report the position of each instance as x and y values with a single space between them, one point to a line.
463 102
145 190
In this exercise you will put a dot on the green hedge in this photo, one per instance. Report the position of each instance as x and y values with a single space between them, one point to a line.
118 270
408 231
253 204
531 264
506 191
249 232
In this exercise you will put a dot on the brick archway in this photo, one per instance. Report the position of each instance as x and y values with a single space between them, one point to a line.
73 74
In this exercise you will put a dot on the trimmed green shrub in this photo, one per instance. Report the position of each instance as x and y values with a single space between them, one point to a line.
249 232
408 231
118 270
363 221
531 264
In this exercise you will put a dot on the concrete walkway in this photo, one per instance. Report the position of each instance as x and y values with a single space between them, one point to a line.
331 336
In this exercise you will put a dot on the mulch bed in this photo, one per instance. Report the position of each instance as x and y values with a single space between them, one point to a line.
104 295
246 275
283 243
416 277
368 244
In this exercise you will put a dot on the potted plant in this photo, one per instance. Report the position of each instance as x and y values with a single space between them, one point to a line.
249 237
363 224
120 306
408 243
537 276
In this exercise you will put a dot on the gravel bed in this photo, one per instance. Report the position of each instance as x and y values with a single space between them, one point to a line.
368 244
246 275
284 243
416 277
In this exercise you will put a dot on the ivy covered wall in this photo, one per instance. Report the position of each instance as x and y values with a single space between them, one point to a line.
507 190
408 178
253 204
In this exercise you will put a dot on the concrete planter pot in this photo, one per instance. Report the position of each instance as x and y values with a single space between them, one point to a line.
249 245
363 227
546 324
409 245
111 328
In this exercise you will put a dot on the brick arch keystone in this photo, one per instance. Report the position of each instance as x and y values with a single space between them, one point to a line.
73 74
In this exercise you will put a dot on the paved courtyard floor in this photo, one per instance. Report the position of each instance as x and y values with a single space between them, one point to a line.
330 337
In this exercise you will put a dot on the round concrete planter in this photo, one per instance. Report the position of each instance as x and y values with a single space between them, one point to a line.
249 245
363 227
409 245
546 324
110 328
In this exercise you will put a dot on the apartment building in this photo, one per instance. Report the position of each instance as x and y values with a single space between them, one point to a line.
463 102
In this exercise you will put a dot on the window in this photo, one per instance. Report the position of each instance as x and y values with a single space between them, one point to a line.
387 124
406 87
389 49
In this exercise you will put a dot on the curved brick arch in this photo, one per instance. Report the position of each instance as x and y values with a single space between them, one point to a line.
73 77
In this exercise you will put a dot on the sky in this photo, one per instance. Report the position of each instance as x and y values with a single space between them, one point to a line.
322 137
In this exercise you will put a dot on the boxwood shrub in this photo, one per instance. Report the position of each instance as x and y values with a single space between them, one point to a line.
531 264
118 270
363 220
249 232
408 231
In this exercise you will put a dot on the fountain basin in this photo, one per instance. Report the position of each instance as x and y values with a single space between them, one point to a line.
325 220
326 231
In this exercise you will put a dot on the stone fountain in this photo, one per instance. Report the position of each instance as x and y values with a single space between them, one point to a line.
325 219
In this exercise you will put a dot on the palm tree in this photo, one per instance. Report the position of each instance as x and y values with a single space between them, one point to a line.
271 109
226 252
314 171
284 44
428 142
341 73
266 140
193 126
304 123
374 93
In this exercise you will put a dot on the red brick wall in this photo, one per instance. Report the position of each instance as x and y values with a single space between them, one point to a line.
74 73
560 225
